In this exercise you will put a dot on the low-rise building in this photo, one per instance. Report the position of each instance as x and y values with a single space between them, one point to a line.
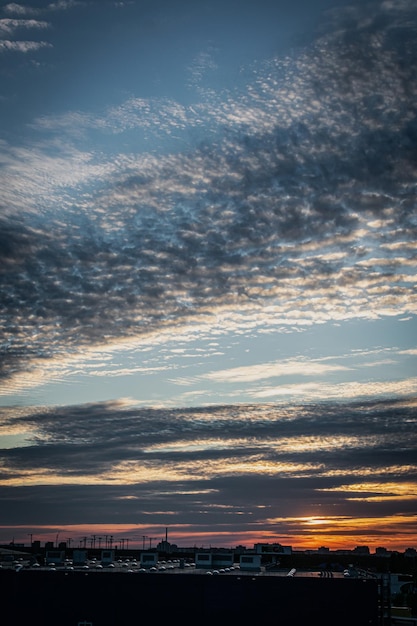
250 562
148 559
79 557
272 548
107 557
214 559
54 557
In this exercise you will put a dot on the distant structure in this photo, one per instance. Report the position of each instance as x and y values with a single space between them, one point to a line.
272 548
107 557
54 557
79 557
250 562
214 559
148 559
166 546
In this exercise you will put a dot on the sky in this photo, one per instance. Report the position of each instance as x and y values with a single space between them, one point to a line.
208 305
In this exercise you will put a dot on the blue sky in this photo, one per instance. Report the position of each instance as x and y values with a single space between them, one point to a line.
208 208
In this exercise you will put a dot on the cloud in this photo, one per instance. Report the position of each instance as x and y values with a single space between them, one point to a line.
241 469
273 205
18 9
345 390
252 373
22 46
63 5
9 26
283 203
121 438
21 9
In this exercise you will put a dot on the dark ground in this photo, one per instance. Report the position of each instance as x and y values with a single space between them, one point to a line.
66 598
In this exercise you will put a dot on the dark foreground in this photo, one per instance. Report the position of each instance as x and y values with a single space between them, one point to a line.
68 598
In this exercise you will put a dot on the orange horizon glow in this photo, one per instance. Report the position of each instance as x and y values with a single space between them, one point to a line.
307 533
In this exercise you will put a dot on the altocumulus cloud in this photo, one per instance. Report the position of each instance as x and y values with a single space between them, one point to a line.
187 465
287 200
11 27
281 202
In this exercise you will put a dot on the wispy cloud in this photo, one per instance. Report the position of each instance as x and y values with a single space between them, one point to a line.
211 239
9 26
13 8
18 9
22 46
271 370
191 462
341 391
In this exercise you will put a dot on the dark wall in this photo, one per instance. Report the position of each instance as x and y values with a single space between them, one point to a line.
48 598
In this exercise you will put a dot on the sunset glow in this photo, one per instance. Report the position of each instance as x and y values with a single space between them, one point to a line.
208 309
396 533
